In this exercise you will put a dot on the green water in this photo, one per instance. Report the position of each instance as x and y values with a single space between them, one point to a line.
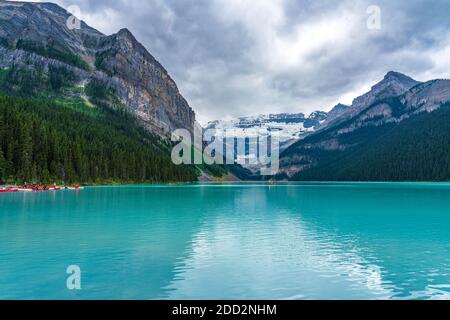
305 241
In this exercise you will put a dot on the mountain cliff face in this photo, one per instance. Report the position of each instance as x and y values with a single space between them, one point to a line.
393 84
394 101
43 23
35 36
336 112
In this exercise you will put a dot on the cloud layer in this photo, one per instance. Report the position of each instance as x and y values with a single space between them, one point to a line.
243 57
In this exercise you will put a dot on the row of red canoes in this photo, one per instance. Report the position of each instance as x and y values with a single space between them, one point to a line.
12 189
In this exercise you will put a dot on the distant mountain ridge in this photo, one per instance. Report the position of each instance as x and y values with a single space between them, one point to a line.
393 84
337 111
344 142
290 127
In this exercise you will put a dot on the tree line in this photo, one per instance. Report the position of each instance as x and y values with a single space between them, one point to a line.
417 149
44 141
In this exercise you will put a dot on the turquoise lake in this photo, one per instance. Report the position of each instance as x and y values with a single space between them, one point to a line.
239 241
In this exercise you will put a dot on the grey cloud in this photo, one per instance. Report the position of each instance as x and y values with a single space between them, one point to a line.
235 58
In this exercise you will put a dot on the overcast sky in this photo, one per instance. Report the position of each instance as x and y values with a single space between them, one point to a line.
235 58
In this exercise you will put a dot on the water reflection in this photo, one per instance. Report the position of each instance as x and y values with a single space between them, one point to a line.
311 241
251 252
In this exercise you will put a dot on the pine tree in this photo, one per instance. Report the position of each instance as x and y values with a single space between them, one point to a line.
2 167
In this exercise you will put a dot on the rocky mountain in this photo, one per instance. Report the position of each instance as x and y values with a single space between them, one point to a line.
336 112
393 84
85 107
35 37
366 125
290 127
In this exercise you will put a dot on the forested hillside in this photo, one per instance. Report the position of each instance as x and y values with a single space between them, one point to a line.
64 117
417 149
47 140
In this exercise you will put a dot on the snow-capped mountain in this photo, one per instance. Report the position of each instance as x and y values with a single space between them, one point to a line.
290 127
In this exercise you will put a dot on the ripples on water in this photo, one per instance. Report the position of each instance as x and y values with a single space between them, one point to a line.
311 241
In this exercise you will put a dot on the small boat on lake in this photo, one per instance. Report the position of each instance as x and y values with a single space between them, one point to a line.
37 188
9 190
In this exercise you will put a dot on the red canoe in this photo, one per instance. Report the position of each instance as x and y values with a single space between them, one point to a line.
9 190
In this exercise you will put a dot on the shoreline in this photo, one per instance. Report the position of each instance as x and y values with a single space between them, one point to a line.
223 182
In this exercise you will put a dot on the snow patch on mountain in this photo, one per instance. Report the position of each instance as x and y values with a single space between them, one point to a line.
289 127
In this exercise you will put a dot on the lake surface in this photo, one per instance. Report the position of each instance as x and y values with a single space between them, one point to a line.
293 241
